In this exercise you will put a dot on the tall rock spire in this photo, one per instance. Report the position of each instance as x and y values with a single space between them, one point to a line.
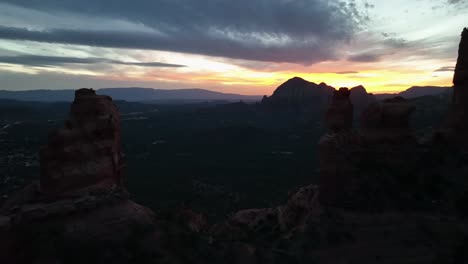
460 78
80 203
336 148
339 115
86 152
456 127
461 69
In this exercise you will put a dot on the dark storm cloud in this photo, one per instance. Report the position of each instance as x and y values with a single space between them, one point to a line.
33 60
304 31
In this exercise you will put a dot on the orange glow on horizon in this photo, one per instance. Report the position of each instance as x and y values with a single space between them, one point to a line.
264 83
230 76
382 77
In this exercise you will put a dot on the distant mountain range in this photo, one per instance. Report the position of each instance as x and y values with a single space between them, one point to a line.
295 91
417 91
132 94
299 92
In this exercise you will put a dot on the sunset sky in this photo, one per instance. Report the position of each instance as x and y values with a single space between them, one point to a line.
236 46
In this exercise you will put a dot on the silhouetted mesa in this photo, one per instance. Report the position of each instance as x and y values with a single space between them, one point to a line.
300 93
297 93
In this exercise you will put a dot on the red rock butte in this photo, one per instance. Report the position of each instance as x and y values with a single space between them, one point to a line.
86 153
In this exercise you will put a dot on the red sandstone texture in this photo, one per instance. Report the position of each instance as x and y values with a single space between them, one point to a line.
80 200
282 220
86 152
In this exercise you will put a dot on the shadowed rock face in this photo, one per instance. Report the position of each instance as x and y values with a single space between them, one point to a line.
456 127
388 121
337 149
253 224
361 98
297 92
86 153
461 70
339 115
350 158
460 82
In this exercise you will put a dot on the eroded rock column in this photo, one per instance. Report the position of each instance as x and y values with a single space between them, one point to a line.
337 151
86 153
454 131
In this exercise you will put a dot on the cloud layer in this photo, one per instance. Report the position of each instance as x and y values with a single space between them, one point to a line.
238 45
302 31
44 61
